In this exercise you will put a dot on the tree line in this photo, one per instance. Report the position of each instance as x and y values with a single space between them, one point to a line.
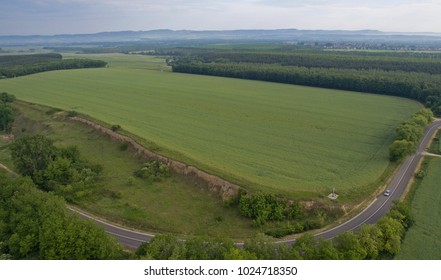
409 134
421 86
20 65
323 60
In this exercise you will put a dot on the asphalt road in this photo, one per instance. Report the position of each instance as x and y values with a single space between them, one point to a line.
370 215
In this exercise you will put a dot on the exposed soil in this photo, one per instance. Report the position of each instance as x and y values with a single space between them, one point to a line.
224 188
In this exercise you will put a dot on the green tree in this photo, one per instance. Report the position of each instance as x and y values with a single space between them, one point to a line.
205 248
6 117
311 248
349 246
371 239
392 231
6 97
238 254
36 225
264 248
164 247
32 155
400 149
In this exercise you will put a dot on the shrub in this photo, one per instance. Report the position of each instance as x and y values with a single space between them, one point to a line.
72 114
115 127
153 171
123 146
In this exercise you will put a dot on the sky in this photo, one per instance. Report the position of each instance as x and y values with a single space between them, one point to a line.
47 17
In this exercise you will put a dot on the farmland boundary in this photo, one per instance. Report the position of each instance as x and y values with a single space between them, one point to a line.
225 189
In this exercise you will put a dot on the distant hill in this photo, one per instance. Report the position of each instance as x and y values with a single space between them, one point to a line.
165 35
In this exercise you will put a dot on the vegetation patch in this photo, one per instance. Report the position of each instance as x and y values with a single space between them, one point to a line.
153 171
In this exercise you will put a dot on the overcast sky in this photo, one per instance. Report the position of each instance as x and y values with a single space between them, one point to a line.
24 17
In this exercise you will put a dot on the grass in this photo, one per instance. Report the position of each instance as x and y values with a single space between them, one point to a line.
423 239
117 60
298 141
174 205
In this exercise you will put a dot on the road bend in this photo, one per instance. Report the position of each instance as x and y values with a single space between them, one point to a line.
370 215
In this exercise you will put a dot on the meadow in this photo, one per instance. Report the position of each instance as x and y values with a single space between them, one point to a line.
285 139
423 239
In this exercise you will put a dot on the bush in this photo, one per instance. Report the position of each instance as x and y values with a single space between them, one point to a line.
153 171
123 146
115 127
72 114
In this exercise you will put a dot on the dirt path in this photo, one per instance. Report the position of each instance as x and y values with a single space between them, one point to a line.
431 155
216 184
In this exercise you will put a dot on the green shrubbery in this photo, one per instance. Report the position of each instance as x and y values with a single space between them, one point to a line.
409 134
288 217
153 171
61 170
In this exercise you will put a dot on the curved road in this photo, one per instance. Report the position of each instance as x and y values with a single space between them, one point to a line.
370 215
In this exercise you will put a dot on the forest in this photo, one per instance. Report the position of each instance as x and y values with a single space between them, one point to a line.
19 65
415 75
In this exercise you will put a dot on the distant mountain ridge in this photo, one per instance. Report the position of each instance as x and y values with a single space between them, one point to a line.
221 35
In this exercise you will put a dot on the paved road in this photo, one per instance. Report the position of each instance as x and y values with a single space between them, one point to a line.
127 237
370 215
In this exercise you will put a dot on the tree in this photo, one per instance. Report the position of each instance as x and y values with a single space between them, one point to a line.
6 117
164 247
206 248
349 246
400 149
36 225
32 155
410 132
392 231
264 248
371 239
6 97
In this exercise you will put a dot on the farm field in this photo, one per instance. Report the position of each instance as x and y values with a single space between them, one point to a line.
423 240
285 139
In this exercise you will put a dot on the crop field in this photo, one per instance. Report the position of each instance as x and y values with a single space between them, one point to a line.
423 240
279 138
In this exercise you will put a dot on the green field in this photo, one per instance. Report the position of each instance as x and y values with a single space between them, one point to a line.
280 138
423 240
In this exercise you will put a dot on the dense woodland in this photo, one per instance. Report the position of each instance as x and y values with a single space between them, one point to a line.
416 76
20 65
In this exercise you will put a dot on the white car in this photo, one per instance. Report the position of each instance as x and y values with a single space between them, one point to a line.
386 193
